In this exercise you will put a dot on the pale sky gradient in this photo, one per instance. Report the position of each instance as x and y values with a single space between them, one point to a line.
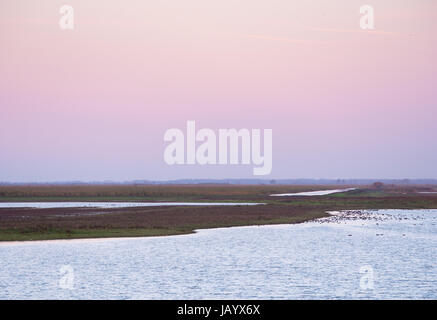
94 103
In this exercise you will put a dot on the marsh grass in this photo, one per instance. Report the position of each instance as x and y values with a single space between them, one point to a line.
69 223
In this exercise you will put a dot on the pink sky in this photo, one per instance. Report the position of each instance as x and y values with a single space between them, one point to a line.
94 103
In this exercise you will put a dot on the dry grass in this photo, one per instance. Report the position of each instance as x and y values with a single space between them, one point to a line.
150 192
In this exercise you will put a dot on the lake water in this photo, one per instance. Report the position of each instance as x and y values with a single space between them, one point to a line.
384 254
312 193
48 205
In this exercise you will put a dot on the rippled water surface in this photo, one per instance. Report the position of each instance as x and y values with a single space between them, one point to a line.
373 254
